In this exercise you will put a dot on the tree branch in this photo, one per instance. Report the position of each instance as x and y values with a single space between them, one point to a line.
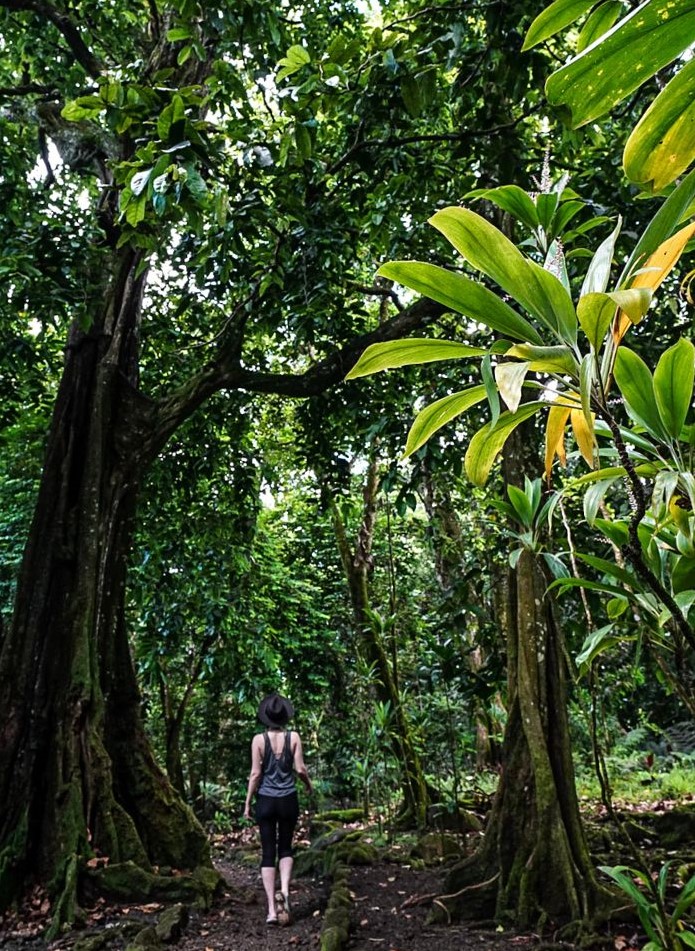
64 25
225 374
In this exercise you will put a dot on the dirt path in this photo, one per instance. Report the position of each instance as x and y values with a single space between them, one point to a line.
379 920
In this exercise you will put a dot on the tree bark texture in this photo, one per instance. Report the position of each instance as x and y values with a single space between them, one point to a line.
534 863
77 776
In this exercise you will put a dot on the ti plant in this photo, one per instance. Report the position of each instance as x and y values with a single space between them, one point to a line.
667 931
568 354
525 508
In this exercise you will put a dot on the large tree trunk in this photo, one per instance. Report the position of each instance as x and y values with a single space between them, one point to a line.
77 776
534 864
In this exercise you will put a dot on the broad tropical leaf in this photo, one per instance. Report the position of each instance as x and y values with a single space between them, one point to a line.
555 436
662 144
488 442
660 229
595 312
584 434
635 383
546 359
407 352
438 414
673 385
637 47
489 251
461 294
599 22
554 19
599 271
510 380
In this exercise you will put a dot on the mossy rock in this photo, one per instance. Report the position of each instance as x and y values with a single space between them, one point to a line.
172 923
332 837
434 847
676 827
332 940
309 862
126 881
340 815
319 827
337 919
356 853
145 938
453 818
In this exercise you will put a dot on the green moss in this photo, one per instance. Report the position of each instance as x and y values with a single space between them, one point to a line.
126 881
340 815
66 908
356 853
331 940
337 919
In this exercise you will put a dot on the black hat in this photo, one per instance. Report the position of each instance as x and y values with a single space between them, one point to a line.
275 710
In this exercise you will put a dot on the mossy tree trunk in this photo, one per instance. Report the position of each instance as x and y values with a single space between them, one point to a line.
77 775
534 863
357 564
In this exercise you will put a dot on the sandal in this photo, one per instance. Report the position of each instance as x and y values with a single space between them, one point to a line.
271 920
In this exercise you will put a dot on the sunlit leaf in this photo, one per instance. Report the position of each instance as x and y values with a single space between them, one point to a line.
599 271
489 251
599 22
662 144
554 19
438 414
488 442
637 47
462 295
407 352
546 359
510 380
555 436
584 434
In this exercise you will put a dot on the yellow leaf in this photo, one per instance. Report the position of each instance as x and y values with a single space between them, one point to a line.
653 272
555 437
584 434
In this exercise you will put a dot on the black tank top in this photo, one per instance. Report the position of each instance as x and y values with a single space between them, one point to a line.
278 771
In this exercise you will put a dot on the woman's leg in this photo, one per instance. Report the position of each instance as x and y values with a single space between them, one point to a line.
266 816
288 813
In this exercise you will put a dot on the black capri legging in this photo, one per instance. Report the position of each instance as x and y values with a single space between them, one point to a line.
277 818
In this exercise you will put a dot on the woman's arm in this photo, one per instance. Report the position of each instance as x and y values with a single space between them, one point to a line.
299 764
256 772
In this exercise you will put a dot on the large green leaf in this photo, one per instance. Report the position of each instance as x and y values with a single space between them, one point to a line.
662 225
662 144
438 414
599 271
488 250
463 295
599 22
635 383
488 442
596 643
673 385
512 199
546 359
554 19
413 350
595 312
641 44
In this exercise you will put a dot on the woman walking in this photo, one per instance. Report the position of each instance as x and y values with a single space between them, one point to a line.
276 756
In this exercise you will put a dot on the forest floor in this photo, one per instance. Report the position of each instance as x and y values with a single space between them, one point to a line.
390 902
